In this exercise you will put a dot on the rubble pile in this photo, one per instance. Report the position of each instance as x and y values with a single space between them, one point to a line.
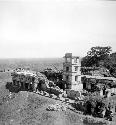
56 107
32 81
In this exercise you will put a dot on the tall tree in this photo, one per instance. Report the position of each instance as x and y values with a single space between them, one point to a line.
95 55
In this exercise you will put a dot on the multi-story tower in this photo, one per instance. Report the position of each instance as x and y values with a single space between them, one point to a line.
72 72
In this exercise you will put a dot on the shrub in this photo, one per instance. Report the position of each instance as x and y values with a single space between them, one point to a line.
94 105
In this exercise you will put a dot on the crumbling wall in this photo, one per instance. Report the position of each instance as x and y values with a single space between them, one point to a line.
72 94
29 80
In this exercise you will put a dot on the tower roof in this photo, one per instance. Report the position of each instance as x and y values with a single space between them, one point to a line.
69 55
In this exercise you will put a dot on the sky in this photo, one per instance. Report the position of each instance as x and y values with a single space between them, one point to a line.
51 28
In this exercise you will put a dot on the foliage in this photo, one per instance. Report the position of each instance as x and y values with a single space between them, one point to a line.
95 55
101 54
94 104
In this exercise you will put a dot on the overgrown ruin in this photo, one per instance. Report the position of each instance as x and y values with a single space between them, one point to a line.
81 87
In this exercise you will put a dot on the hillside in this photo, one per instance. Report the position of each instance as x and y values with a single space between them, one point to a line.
26 108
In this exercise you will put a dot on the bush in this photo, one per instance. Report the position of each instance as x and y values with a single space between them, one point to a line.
12 88
94 121
94 105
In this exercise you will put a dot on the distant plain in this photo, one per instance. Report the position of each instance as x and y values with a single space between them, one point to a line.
36 64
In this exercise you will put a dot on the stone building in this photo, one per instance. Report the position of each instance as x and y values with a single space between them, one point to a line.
72 72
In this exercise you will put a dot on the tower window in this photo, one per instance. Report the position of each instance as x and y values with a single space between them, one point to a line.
76 77
67 78
68 59
75 60
67 69
76 68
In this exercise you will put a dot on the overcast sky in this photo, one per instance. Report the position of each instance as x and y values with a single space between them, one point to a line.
50 28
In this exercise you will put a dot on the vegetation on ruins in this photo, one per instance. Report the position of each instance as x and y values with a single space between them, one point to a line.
101 54
94 105
95 55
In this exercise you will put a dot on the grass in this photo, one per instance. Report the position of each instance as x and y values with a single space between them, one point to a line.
30 109
27 108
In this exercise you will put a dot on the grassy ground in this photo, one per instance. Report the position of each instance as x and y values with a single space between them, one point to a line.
26 108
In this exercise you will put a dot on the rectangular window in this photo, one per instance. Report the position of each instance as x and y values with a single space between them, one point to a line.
68 59
75 60
76 68
67 78
76 77
67 69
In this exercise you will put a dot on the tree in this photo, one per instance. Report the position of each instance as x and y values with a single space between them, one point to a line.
95 55
111 64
